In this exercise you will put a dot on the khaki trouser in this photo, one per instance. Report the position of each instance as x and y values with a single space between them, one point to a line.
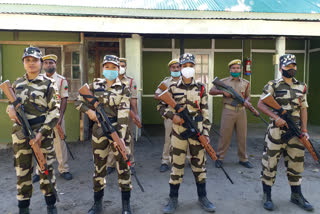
167 142
60 149
231 119
111 161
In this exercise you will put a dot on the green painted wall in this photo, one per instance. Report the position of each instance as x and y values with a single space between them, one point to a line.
314 89
314 43
6 36
194 43
72 120
49 36
228 44
5 125
156 43
263 44
155 69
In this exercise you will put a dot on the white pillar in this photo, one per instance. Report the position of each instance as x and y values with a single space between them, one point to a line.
133 52
280 50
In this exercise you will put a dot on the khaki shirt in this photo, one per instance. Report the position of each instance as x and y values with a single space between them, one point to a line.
241 86
291 97
132 86
61 83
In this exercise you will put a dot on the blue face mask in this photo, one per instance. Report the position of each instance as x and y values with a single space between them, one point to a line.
175 73
235 74
110 74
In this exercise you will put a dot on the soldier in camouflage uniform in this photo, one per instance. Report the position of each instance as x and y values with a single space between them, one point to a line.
39 96
134 107
291 95
191 95
174 67
115 98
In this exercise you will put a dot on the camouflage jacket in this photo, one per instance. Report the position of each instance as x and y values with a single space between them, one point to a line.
132 86
291 97
115 101
167 81
193 97
40 98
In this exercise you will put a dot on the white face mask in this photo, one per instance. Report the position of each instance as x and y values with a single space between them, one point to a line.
122 70
187 72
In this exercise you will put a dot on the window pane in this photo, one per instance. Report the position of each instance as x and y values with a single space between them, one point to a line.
198 59
75 72
198 69
75 58
205 59
205 69
198 77
67 72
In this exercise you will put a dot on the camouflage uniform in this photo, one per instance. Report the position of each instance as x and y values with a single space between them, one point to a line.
167 123
131 84
40 99
188 96
291 98
116 101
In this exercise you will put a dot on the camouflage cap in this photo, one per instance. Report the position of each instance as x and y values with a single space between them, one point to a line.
173 61
234 62
111 58
187 57
32 51
287 59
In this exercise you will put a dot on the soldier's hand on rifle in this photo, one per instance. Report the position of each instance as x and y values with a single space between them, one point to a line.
226 94
92 115
304 133
177 120
13 114
38 138
281 122
247 104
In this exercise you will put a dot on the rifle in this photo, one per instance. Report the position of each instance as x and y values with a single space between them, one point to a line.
188 123
107 127
293 128
237 99
35 146
63 137
138 123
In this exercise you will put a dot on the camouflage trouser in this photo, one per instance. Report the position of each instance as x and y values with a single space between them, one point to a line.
179 150
23 163
101 147
293 152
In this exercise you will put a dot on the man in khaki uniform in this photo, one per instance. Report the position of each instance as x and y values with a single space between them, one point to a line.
49 66
134 107
234 116
175 74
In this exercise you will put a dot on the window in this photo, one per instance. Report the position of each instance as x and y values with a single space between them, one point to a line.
202 68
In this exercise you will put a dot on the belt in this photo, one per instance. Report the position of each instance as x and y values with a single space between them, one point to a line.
37 120
234 108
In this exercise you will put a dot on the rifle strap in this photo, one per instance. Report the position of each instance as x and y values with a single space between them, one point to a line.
202 89
94 99
17 101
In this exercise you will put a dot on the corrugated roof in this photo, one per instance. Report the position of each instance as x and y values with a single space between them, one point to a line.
264 6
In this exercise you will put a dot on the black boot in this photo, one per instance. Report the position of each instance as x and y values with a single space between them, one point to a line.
298 199
50 201
97 206
173 200
126 202
24 207
267 202
203 200
51 209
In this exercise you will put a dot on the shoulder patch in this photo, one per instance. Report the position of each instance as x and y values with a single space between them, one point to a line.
61 77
